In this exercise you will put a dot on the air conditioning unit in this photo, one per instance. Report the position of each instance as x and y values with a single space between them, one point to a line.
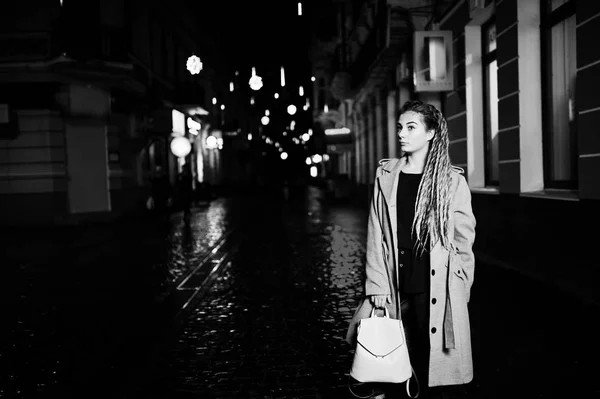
475 4
481 10
402 70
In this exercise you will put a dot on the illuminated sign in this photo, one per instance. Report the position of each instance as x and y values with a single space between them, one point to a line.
193 126
333 132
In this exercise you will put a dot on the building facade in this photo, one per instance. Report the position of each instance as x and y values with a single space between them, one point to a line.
521 111
88 94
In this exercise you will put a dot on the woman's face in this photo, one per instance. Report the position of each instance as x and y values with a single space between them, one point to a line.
412 133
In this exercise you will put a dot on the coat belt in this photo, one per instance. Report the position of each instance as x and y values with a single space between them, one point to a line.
449 342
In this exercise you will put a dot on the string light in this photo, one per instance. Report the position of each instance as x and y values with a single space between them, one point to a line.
301 91
299 9
282 77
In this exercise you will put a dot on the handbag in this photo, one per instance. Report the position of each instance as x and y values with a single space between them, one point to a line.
381 353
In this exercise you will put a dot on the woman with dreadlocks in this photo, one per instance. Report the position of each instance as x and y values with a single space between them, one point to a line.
420 262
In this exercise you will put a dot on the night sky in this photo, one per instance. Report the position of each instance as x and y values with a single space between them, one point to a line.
264 34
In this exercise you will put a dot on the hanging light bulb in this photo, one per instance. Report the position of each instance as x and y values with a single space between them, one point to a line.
255 80
291 109
276 95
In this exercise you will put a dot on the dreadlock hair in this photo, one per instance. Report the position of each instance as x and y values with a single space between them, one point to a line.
432 206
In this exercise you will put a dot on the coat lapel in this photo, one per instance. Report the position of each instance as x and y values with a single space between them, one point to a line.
389 181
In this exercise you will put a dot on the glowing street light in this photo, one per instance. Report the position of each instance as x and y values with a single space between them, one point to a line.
255 81
211 142
194 65
180 146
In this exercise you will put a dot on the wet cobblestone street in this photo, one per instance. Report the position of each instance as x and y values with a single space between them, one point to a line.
250 298
273 324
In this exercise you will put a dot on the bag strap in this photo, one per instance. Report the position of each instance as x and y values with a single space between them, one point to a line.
408 385
370 395
358 396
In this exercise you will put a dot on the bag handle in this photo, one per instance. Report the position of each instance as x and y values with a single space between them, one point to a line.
385 312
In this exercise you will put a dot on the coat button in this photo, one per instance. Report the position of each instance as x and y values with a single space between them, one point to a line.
459 272
434 301
433 330
401 265
401 252
433 272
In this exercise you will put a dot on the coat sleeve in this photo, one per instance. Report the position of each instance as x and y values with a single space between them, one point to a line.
464 232
376 275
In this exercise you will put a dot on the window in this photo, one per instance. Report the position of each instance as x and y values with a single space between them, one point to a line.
559 70
490 103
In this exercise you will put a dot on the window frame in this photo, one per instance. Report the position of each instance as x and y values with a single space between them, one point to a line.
486 59
548 19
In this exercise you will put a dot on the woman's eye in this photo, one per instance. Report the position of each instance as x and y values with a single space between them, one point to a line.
410 128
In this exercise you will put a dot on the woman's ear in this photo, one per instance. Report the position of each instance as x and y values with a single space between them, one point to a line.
430 134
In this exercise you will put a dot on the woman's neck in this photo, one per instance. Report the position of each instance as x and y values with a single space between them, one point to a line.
415 162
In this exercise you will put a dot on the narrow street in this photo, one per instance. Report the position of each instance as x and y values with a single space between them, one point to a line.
249 298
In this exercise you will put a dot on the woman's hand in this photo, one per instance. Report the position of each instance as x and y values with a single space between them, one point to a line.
379 301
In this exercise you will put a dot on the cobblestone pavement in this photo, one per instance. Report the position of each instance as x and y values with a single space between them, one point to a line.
84 307
272 326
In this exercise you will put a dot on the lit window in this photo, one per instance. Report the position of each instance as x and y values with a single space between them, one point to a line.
490 85
560 70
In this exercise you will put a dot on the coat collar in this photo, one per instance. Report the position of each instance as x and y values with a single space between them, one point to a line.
388 180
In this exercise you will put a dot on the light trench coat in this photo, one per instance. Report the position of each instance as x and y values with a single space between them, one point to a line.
452 272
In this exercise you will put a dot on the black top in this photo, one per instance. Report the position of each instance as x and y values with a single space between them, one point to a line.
413 270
